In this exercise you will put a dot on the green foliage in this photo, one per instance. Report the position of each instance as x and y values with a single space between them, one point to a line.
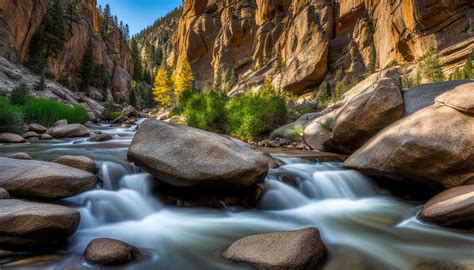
251 116
183 79
11 118
49 40
205 111
230 80
137 67
430 66
163 89
110 112
47 111
133 98
465 73
20 94
326 125
296 133
408 82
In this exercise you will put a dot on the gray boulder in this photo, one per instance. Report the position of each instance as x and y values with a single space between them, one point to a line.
29 224
43 179
59 123
104 251
188 157
293 250
4 194
37 128
31 135
21 155
100 138
70 131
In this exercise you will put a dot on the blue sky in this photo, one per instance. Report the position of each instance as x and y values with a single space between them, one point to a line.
139 13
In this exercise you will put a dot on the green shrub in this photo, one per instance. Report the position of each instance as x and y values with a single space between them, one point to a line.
110 113
251 116
205 111
20 94
46 112
11 118
296 134
430 66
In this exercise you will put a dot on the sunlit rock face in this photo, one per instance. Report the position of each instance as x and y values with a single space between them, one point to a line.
296 43
21 19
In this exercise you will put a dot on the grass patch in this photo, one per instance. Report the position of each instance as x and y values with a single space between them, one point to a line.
46 112
206 111
11 117
110 113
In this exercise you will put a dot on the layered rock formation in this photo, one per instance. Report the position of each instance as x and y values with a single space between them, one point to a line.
295 43
20 20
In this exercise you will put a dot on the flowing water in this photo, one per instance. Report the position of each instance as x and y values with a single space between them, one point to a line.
364 226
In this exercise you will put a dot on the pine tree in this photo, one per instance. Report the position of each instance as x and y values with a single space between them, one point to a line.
229 80
133 98
163 87
217 84
105 20
126 34
41 84
87 69
467 70
73 12
137 70
430 66
184 79
267 86
54 29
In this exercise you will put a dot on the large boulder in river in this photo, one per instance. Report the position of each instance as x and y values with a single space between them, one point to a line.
43 179
11 138
434 145
188 157
29 224
104 251
366 109
293 250
450 207
70 131
79 162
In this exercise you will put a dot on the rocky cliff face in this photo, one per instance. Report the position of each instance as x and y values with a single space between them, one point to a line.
20 20
298 43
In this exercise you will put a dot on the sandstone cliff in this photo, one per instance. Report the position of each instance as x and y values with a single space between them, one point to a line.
20 20
298 43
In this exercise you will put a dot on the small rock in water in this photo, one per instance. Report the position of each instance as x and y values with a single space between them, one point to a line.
31 135
37 128
11 138
293 250
46 136
21 155
451 207
104 251
79 162
100 138
70 131
4 194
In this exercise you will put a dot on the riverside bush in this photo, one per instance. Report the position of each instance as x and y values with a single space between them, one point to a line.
11 118
20 94
46 112
244 117
110 113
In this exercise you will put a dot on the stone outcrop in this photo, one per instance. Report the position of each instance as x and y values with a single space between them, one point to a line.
28 224
29 178
79 162
21 155
11 138
363 111
187 157
297 250
295 43
433 145
104 251
451 207
22 19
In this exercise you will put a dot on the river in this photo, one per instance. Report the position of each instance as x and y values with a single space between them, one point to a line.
363 225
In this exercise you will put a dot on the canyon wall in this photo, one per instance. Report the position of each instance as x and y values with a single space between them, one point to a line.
297 44
20 20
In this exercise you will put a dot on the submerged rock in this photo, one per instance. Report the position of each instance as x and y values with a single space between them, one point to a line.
79 162
4 194
37 128
11 138
189 157
46 136
100 138
29 224
59 123
293 250
31 135
43 179
21 155
105 251
70 131
451 207
434 145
